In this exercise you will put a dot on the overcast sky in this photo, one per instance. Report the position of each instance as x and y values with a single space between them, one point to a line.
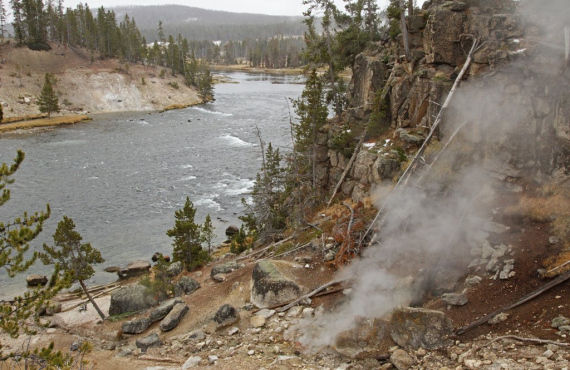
273 7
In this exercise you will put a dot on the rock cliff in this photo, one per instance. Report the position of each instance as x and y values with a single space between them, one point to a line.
398 97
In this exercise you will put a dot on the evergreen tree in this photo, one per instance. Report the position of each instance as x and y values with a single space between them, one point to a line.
15 238
72 259
205 84
312 112
48 101
187 247
208 233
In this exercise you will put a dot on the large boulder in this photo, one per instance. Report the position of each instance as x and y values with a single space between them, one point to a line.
225 268
130 298
186 285
270 286
370 338
136 326
135 268
174 316
151 340
226 315
418 327
161 311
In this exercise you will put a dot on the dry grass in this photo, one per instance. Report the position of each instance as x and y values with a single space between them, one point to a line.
176 106
44 122
28 117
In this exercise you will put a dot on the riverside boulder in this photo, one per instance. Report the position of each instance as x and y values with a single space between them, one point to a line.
151 340
271 287
136 326
174 316
161 311
186 285
225 268
226 315
130 298
135 268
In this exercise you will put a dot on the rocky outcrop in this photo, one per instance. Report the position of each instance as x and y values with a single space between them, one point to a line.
270 286
131 298
174 269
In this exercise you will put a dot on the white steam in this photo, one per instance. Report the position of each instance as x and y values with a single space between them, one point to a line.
423 239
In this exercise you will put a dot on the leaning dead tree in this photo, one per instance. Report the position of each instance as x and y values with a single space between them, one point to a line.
403 180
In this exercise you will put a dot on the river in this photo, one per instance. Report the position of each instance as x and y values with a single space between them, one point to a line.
121 176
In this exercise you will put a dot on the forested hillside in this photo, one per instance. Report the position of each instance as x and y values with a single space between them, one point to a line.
202 24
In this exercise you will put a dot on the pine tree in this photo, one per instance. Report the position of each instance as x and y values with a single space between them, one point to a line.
187 247
205 84
3 19
15 238
208 233
72 259
48 101
312 112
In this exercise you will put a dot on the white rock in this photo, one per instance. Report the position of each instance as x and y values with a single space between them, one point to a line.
308 312
212 359
473 364
548 353
192 361
233 330
251 352
265 313
257 321
294 311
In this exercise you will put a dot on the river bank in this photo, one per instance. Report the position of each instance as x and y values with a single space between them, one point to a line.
44 122
86 86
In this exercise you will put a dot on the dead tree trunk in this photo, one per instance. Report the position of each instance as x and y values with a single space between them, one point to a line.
404 178
347 169
91 299
405 34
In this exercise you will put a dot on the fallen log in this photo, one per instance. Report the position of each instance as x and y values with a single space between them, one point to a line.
309 295
559 280
265 249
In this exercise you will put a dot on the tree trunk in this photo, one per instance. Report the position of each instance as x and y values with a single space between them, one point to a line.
91 299
405 34
410 7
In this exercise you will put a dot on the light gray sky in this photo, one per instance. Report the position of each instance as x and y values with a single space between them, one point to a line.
273 7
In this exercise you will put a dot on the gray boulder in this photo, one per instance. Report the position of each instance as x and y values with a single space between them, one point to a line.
135 268
226 315
186 285
401 360
271 287
151 340
174 269
225 268
231 231
419 327
174 316
136 326
130 298
370 338
161 311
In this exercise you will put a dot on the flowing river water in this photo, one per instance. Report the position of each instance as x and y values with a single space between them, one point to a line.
121 176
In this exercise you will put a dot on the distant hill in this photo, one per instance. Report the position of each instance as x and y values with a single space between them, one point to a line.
202 24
